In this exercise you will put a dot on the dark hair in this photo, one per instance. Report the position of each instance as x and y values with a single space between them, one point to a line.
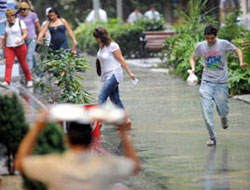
53 10
102 34
152 6
210 29
79 134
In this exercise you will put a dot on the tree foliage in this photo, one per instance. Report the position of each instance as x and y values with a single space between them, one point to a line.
13 126
126 35
61 69
76 11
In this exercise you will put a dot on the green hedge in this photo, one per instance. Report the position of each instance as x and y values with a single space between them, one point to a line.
126 35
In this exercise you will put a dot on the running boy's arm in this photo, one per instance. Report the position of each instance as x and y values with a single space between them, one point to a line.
240 56
192 62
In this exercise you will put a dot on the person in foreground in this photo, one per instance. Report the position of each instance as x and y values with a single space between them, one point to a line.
78 167
214 78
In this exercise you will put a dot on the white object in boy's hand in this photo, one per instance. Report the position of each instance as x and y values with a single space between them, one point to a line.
135 81
192 79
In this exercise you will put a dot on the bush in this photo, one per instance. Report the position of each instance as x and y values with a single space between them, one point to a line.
13 127
63 68
51 140
180 47
239 79
126 35
231 30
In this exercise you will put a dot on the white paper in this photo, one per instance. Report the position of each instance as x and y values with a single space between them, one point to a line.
135 81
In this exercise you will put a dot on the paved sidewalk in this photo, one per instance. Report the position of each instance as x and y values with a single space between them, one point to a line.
245 98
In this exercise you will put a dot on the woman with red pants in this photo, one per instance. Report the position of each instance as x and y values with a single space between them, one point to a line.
15 34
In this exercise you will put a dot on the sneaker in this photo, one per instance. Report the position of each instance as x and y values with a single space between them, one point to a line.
224 122
29 84
4 84
211 142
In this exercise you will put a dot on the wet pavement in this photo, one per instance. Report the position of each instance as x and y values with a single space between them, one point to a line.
170 137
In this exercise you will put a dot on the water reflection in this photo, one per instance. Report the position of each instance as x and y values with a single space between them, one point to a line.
216 178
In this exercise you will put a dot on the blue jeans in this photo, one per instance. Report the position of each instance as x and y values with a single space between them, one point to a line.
31 44
213 93
110 89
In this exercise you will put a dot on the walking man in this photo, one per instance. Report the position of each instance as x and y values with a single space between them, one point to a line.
214 78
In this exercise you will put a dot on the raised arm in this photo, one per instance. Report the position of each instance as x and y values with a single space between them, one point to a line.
192 62
240 56
29 141
118 55
129 150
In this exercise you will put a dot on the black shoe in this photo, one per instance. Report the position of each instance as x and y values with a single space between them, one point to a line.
224 122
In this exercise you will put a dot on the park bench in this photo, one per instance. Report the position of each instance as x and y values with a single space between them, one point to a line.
154 41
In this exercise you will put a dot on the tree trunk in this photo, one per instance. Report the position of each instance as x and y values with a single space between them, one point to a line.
11 169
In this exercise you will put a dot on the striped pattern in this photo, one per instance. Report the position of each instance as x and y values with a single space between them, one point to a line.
3 5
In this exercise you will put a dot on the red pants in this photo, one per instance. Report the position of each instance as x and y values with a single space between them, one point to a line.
20 52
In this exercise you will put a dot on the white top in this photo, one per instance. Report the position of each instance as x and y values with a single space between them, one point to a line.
102 16
152 15
134 17
109 64
78 171
14 33
48 36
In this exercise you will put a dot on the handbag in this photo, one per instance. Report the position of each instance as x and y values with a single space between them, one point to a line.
98 67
